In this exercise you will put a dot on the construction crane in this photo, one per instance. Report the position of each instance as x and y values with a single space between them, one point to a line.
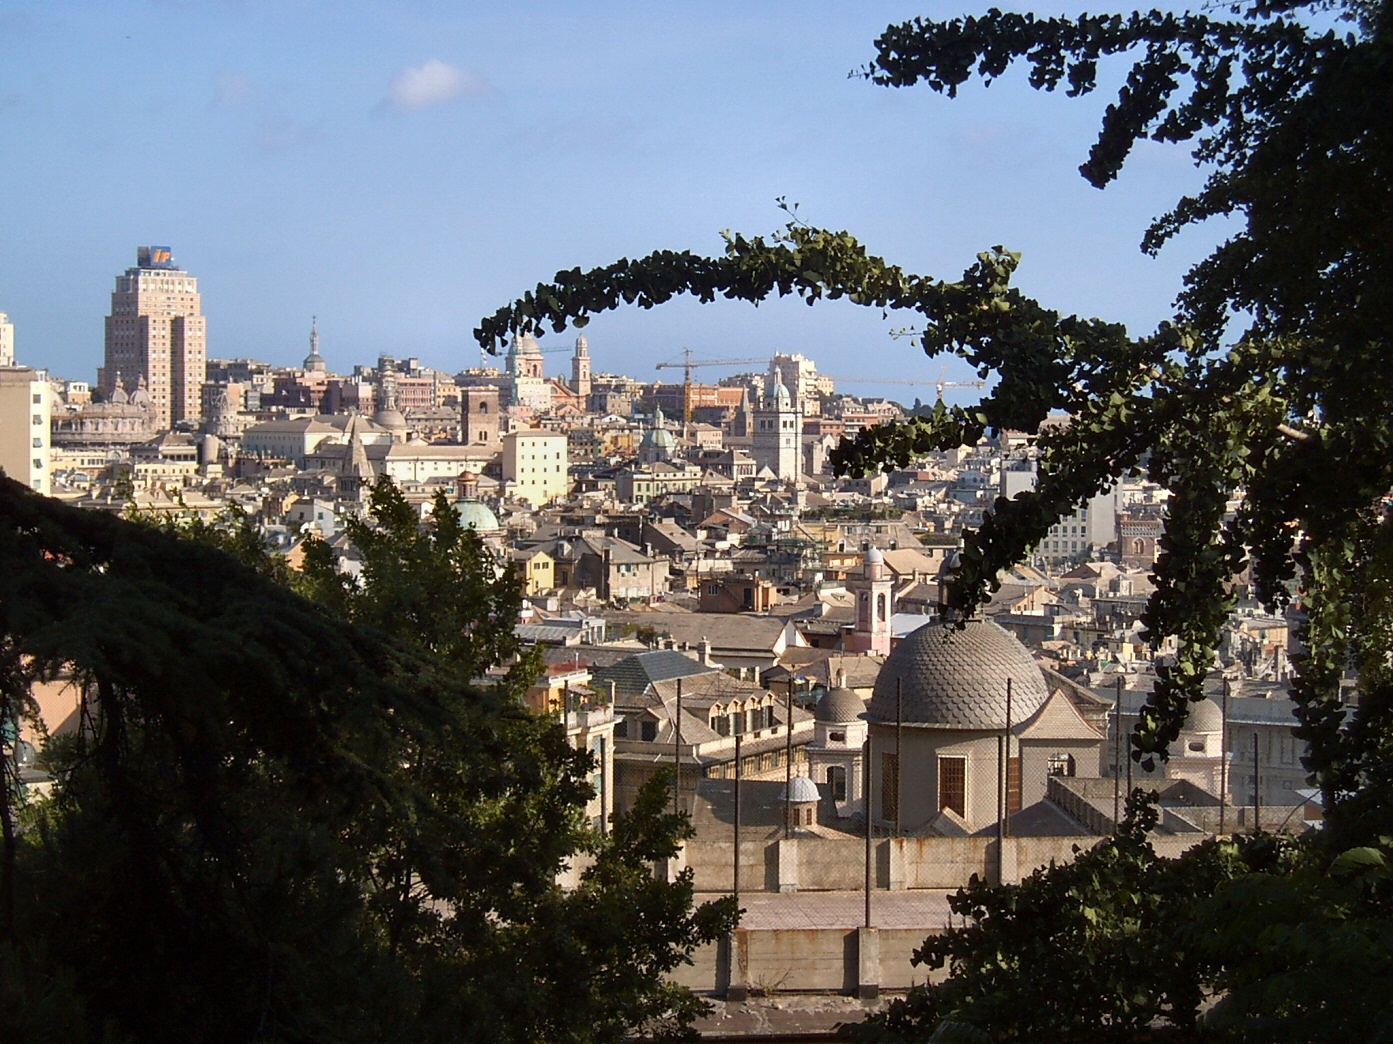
940 384
689 364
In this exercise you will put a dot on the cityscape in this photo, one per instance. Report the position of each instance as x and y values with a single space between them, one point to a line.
466 577
695 579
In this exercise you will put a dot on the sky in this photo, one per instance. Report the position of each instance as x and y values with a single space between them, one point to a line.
401 169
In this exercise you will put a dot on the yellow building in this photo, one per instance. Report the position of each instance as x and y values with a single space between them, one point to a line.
538 569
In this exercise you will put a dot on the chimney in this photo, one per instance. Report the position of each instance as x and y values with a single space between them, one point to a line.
705 647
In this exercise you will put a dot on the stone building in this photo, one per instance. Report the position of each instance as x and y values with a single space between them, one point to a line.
945 701
835 756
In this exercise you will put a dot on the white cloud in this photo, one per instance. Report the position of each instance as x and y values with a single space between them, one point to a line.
433 83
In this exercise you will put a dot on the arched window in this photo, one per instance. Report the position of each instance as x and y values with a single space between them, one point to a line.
483 407
836 779
880 607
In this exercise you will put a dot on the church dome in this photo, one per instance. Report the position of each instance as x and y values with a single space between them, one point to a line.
780 396
658 437
839 706
476 515
1205 716
956 679
804 790
389 417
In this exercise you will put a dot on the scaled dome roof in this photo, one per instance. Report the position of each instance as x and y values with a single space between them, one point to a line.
478 515
839 706
804 790
1205 716
956 679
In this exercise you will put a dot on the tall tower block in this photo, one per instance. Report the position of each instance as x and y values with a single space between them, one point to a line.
156 330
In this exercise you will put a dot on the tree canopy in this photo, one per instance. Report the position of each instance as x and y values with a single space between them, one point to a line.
286 822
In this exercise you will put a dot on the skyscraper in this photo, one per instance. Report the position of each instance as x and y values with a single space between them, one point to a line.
157 331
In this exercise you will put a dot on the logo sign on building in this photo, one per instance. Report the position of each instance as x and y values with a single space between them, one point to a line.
155 257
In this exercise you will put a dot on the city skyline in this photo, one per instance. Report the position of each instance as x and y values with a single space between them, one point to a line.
401 171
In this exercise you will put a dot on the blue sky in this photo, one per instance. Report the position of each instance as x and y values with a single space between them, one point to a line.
400 169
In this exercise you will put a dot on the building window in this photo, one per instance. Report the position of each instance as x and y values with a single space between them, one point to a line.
649 729
1061 764
889 786
836 779
952 785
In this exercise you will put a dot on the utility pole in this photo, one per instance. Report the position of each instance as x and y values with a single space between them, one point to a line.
1224 756
677 752
788 760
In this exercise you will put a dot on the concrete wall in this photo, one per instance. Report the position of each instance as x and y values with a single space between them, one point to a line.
711 863
805 960
838 865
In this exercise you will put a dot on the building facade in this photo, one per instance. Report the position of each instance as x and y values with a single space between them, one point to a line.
535 465
479 417
156 330
776 441
7 341
25 412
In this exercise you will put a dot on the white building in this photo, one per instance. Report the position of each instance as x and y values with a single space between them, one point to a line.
1091 526
7 341
293 440
535 465
776 441
25 415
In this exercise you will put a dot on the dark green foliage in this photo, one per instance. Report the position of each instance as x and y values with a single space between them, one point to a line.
1257 938
1088 950
283 825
